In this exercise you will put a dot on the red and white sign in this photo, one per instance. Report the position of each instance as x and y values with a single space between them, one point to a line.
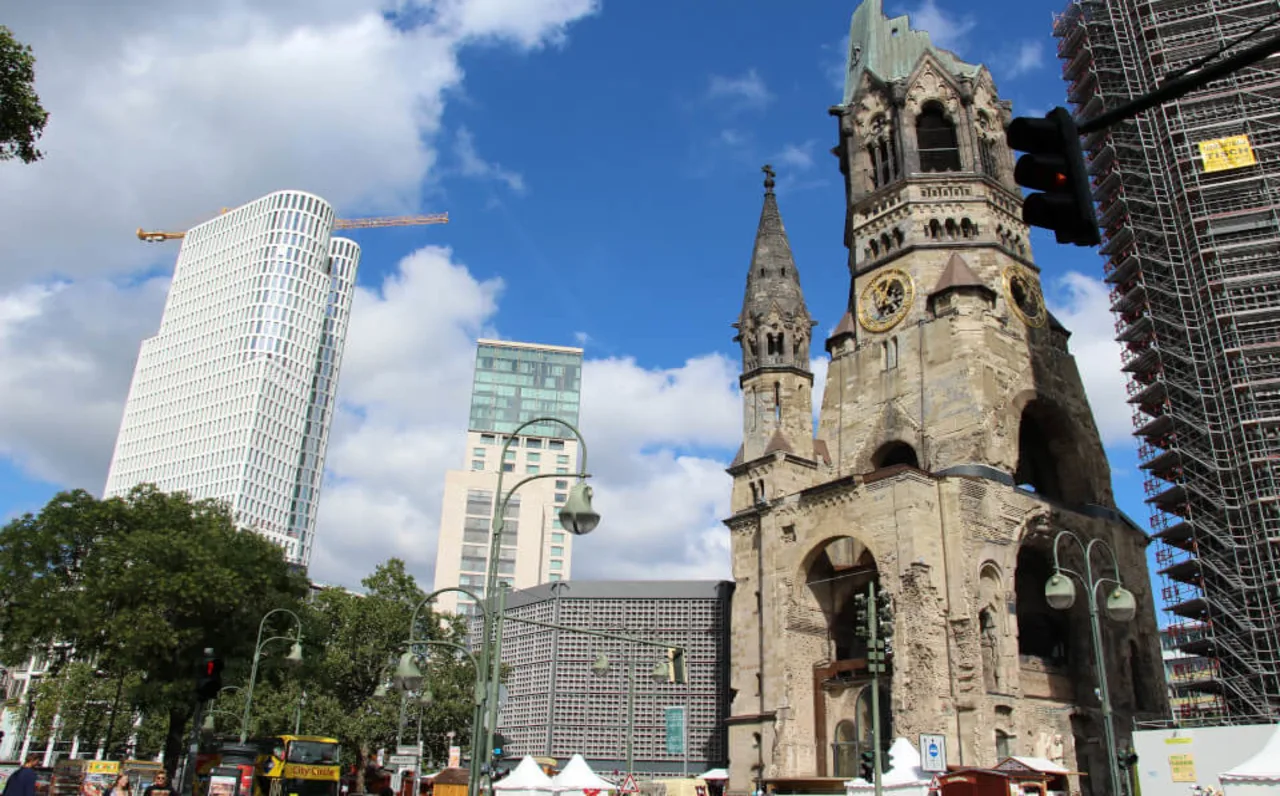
629 785
591 791
935 785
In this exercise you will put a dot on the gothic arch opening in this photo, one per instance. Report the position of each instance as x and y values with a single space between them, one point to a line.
845 749
1049 463
1043 632
1138 679
895 452
836 573
991 627
936 139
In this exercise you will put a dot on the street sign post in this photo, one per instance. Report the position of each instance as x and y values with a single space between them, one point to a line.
629 785
933 752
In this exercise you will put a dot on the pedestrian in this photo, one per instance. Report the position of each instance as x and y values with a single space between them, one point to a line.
23 781
160 787
121 787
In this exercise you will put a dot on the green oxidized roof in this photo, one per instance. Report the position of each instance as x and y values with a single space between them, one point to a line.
890 49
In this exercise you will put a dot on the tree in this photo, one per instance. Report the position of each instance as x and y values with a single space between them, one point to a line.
351 645
22 118
139 584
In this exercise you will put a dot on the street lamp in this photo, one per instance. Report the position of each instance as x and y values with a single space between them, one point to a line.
293 658
600 668
1060 594
477 716
576 516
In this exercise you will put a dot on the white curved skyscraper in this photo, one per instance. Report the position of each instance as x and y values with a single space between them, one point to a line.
233 397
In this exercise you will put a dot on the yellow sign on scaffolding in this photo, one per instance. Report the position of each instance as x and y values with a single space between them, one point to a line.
1224 154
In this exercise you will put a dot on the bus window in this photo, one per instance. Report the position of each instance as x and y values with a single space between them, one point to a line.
313 752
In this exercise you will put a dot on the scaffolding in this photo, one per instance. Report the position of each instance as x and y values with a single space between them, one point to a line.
1193 259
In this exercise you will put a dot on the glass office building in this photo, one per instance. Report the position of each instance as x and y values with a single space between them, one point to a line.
514 383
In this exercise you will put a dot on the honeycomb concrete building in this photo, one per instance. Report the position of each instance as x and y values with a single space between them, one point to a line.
233 397
954 443
559 701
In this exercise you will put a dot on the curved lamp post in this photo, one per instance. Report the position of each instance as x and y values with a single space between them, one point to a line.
576 515
1060 594
408 670
600 667
294 657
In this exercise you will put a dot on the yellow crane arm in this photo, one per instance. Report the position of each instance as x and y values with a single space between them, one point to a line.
156 236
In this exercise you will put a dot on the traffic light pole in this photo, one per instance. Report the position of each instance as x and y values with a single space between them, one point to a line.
1182 86
187 782
875 662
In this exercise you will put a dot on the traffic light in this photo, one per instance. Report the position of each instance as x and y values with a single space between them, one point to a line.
677 669
861 620
867 765
1054 165
209 676
884 614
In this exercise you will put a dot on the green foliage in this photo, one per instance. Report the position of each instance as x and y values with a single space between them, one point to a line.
139 585
22 118
351 645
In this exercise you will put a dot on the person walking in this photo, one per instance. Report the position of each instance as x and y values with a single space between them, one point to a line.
160 787
121 787
23 781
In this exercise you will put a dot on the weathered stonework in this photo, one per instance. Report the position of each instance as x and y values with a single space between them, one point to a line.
951 448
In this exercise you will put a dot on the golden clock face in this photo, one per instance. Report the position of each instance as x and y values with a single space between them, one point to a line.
885 300
1022 290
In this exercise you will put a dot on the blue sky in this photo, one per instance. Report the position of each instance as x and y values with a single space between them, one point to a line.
600 163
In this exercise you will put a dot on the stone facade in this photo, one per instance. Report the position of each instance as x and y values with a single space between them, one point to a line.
954 443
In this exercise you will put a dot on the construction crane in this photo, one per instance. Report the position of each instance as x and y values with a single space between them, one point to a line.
338 224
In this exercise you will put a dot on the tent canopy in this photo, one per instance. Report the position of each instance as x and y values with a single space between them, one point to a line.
578 776
716 774
1262 767
528 775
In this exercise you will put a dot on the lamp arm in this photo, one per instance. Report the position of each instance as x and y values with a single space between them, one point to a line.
582 443
1115 560
1057 567
412 642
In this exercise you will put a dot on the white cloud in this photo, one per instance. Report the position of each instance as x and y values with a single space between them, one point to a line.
66 357
797 156
582 338
472 165
163 113
947 30
1028 57
659 439
747 91
1083 305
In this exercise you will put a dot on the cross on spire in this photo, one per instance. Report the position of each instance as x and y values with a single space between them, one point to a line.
769 174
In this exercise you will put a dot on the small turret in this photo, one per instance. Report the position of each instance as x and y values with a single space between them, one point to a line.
774 330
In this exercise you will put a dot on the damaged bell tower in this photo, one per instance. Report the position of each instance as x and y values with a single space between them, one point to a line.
954 443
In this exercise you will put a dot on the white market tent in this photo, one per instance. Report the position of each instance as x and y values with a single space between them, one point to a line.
528 779
716 774
576 778
1257 776
904 777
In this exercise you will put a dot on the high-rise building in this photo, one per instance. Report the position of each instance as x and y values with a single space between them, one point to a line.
569 693
514 383
233 397
955 464
1187 198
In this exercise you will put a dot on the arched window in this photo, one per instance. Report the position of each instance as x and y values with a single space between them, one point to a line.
893 453
1042 631
952 229
1038 456
1003 746
936 140
846 750
990 166
873 157
777 402
935 229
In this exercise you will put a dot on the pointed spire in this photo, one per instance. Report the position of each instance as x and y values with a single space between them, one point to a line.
771 258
